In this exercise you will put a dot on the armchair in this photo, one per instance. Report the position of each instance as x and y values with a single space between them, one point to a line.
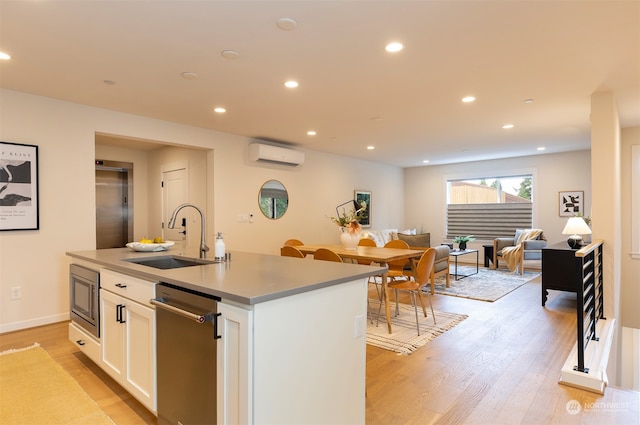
531 248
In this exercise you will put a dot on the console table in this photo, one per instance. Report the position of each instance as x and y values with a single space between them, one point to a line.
559 265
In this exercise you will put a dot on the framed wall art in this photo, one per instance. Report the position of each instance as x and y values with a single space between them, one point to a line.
571 203
359 196
19 206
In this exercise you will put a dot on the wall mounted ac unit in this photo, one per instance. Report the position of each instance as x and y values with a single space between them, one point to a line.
275 154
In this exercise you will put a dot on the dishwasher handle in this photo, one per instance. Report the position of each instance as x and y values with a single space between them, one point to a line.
198 318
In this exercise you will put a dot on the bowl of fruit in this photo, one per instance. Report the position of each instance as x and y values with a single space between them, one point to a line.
156 244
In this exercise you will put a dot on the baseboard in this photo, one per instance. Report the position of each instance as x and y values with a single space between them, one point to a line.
40 321
596 358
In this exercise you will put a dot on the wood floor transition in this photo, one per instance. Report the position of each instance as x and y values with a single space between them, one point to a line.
499 366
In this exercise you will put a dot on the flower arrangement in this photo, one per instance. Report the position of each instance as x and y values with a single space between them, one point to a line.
351 221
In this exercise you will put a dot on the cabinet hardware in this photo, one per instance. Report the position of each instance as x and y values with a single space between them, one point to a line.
119 316
121 285
80 342
215 326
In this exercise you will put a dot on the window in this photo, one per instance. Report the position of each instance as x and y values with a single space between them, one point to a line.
489 207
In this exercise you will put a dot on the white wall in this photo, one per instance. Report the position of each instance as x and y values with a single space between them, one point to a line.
425 190
65 133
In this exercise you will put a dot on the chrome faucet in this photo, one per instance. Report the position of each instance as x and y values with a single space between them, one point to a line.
203 246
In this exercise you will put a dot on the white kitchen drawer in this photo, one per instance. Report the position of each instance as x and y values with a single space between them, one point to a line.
135 289
87 344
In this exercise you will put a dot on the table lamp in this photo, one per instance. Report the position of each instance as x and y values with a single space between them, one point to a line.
576 227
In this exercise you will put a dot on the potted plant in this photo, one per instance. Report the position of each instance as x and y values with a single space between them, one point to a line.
462 241
350 225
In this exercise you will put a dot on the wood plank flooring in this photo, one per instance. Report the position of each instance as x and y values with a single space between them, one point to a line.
499 366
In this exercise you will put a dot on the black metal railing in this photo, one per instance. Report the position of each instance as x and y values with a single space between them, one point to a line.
590 305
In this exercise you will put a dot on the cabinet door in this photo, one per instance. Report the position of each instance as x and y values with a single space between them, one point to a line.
112 334
140 342
234 365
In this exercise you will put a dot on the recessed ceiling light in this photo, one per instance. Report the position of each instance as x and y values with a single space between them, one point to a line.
394 47
109 82
528 101
189 75
219 110
468 99
287 24
311 133
508 126
370 147
541 148
377 119
4 56
426 161
230 54
291 84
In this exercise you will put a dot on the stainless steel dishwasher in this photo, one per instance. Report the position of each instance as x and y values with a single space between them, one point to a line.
186 334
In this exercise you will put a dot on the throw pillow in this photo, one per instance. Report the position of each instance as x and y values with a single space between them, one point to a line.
422 240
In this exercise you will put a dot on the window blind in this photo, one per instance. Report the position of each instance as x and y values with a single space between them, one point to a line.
488 221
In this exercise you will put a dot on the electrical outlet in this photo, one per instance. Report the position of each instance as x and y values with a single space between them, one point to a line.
16 292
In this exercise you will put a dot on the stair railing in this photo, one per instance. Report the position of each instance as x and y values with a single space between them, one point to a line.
590 305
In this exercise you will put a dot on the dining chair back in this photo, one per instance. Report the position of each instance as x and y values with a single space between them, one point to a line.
293 242
413 285
367 242
326 255
396 267
291 251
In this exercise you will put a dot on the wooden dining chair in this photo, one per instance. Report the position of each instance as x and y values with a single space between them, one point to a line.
372 279
293 242
291 251
413 284
326 255
396 268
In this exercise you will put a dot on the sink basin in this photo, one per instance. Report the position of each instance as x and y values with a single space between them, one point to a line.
170 262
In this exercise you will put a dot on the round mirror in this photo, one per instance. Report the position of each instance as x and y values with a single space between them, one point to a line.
273 199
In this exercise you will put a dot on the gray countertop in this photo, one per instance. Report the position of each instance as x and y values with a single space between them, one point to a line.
247 278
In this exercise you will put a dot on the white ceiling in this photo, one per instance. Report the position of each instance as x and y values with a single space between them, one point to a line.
351 92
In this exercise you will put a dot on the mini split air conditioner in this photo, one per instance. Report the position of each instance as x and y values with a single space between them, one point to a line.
275 154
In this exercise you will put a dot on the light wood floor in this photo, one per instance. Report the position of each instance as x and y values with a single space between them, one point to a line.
499 366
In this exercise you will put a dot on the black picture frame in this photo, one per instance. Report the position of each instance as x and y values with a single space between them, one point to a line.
19 187
571 203
363 195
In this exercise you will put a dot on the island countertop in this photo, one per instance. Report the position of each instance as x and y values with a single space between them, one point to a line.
247 278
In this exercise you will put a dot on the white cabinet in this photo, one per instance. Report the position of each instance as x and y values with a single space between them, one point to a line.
128 332
294 358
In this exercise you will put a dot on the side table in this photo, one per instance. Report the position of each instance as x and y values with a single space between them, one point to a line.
488 254
457 253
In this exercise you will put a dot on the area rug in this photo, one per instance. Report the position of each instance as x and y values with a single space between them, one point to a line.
34 389
405 339
488 285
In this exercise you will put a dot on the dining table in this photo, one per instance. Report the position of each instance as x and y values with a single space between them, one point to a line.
376 254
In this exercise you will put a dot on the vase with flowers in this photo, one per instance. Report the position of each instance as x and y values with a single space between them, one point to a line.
349 223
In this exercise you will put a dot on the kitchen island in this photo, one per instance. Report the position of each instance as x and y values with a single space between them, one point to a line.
293 332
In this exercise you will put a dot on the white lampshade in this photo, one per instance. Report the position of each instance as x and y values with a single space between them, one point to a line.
576 226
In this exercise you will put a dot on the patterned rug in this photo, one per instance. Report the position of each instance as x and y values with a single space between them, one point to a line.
405 338
488 285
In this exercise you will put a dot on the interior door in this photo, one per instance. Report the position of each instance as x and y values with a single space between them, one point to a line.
175 191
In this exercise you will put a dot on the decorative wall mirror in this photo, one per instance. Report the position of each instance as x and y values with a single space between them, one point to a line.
273 199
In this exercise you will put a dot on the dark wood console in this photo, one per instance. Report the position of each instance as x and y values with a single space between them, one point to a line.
559 269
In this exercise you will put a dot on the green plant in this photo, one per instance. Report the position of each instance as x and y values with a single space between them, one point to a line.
465 239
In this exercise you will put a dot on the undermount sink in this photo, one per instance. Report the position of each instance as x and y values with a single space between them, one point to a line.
170 262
